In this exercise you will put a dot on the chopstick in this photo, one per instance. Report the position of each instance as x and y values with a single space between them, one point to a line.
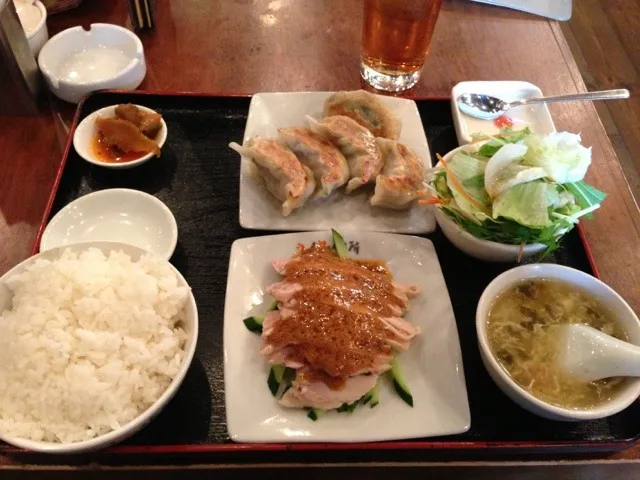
142 13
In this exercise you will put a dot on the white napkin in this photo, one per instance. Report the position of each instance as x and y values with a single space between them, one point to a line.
556 9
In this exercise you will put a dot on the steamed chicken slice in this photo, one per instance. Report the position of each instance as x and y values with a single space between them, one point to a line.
401 177
124 135
290 355
357 144
284 176
306 392
321 156
332 308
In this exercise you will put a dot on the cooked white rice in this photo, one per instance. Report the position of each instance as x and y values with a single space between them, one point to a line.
90 343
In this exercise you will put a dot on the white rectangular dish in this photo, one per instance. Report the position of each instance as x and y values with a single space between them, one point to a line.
432 365
536 117
556 9
259 210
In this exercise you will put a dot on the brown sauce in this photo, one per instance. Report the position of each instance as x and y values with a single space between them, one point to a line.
336 326
108 154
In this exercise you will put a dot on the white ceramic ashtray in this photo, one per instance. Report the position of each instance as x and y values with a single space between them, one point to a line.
85 141
76 62
114 215
33 18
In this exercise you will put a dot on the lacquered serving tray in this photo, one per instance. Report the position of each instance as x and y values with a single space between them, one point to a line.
197 177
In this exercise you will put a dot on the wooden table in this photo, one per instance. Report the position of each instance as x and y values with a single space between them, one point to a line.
241 47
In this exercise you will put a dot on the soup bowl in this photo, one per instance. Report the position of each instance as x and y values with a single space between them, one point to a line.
620 310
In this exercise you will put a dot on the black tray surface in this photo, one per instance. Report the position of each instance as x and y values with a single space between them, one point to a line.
197 177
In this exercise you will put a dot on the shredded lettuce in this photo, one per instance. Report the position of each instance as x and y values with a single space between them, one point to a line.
469 198
525 203
506 135
560 154
504 170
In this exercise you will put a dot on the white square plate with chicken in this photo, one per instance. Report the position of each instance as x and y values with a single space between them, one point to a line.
269 112
432 365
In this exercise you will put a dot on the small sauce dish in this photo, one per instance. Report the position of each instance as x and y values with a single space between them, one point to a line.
114 215
84 141
76 62
536 117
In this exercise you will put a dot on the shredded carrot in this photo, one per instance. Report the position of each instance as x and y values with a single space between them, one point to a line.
520 251
300 246
457 183
430 201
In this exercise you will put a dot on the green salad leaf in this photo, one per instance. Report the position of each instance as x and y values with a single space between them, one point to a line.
506 135
525 203
585 195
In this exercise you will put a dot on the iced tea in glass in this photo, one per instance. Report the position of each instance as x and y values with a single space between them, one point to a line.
396 35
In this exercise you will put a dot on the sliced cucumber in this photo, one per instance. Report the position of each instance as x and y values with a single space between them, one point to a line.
280 379
399 383
371 397
273 305
315 413
339 244
346 407
254 324
275 378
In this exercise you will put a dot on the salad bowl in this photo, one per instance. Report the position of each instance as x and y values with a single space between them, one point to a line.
477 247
512 196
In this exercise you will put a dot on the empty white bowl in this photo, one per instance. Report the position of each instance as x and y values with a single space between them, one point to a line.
86 131
125 431
76 62
477 247
114 215
620 309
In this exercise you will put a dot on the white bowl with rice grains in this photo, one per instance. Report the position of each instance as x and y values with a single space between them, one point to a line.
95 339
515 322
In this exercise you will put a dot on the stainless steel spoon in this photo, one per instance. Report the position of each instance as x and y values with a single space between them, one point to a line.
487 107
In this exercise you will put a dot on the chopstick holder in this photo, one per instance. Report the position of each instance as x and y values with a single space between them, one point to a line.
142 13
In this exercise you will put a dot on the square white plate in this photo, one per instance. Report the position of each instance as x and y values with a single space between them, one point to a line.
536 117
259 210
432 365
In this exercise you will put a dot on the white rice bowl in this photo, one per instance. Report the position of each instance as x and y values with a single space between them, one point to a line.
90 342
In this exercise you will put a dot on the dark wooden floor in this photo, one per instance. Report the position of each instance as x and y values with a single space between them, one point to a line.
604 36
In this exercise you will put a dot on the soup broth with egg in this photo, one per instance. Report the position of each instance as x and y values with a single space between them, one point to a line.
520 330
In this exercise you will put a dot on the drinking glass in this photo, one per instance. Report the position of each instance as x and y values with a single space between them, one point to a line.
396 35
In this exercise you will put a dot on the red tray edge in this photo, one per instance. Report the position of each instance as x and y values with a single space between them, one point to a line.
271 447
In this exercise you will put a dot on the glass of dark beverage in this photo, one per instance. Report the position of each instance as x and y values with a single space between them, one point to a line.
396 35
